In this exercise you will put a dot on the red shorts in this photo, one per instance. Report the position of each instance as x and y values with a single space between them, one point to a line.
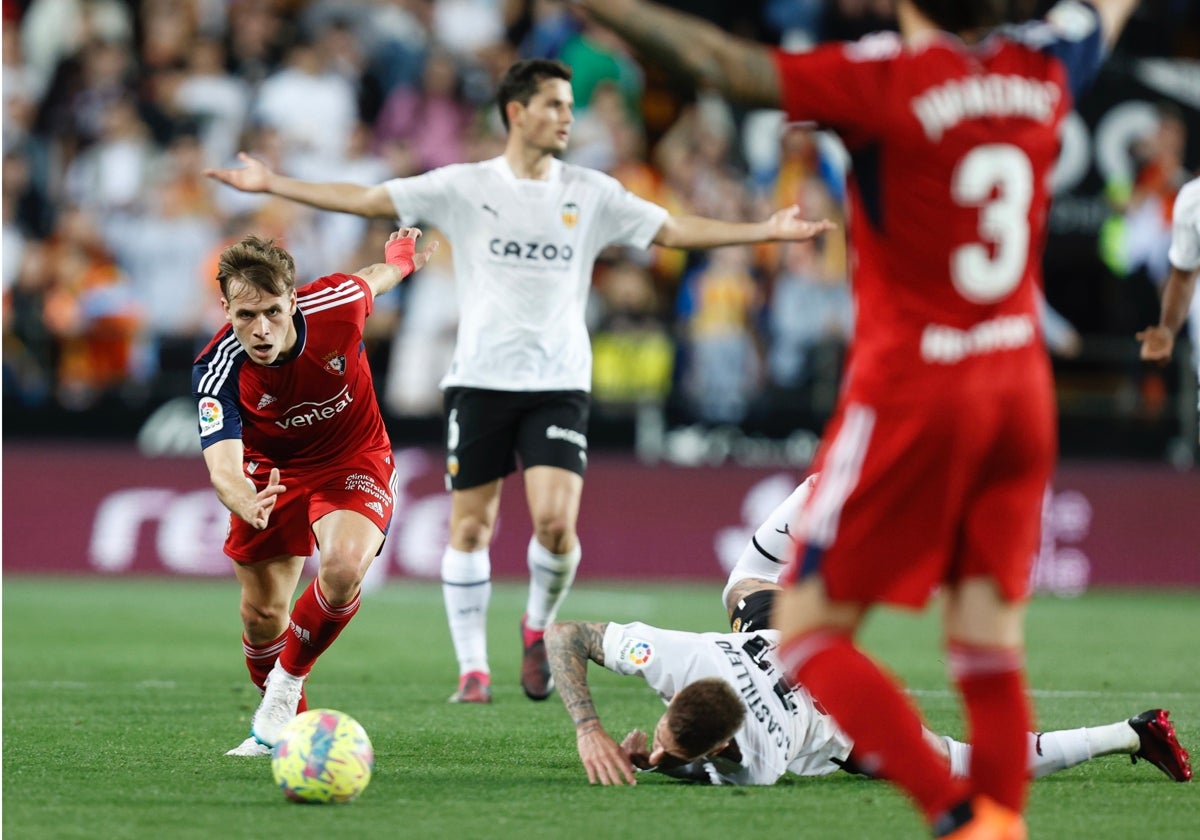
365 484
915 493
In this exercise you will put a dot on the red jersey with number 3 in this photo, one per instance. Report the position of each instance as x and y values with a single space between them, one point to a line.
313 410
952 148
933 467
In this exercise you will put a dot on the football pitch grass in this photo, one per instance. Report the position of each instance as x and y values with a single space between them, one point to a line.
120 698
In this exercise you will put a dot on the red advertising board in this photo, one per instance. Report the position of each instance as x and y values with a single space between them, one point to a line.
107 510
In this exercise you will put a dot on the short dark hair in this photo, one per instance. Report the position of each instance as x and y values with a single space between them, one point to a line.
965 15
260 264
522 80
704 714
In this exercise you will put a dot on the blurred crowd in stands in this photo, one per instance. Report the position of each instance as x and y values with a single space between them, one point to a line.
112 110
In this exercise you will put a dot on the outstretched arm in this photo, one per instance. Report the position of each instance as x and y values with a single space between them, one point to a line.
256 176
401 259
569 647
699 232
694 49
1158 342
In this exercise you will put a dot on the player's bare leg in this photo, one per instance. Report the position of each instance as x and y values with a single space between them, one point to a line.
267 589
467 586
819 653
553 495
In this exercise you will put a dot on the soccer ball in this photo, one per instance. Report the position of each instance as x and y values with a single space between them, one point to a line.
323 756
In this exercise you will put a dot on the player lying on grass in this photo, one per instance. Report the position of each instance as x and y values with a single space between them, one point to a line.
731 717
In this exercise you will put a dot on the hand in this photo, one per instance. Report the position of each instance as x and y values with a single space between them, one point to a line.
637 746
1157 344
253 177
787 224
400 250
264 502
606 763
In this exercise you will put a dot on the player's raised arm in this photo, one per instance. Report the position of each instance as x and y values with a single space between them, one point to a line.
401 258
699 232
236 492
693 48
569 647
256 176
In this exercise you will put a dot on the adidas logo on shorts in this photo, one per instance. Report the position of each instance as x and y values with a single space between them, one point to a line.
375 506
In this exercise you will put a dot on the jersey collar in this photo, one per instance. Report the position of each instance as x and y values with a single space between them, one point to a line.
301 326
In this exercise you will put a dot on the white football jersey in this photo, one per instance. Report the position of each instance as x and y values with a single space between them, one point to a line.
523 256
783 730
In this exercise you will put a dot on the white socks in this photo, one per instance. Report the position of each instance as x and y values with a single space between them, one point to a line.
550 577
466 589
1050 752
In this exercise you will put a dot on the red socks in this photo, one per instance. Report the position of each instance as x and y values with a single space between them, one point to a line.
315 623
260 660
870 707
992 683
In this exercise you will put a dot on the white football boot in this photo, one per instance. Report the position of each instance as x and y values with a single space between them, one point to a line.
278 706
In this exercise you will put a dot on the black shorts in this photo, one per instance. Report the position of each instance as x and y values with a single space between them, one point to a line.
487 430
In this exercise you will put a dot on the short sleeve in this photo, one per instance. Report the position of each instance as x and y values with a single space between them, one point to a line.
215 390
628 219
421 199
829 84
659 656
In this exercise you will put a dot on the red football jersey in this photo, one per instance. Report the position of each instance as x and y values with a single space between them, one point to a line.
310 411
952 146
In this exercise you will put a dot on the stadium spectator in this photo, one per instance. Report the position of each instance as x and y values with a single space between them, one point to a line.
313 107
526 230
92 313
215 98
935 270
430 120
717 312
256 385
632 352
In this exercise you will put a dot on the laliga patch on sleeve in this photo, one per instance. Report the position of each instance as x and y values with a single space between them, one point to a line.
636 652
212 417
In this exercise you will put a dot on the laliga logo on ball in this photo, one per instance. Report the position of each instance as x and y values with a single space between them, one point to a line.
323 756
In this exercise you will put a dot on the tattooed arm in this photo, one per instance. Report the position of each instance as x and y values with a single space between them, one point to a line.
569 647
693 48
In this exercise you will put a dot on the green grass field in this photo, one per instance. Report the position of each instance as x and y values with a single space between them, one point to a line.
120 698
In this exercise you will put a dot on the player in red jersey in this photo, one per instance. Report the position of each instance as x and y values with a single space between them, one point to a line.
297 450
933 467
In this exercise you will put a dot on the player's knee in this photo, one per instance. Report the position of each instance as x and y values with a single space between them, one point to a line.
554 532
263 622
470 534
341 575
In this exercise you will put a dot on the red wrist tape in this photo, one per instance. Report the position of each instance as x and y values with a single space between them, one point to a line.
399 252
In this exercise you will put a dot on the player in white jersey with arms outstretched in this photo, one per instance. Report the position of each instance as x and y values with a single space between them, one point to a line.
526 230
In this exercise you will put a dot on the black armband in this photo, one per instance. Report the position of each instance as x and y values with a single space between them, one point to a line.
753 612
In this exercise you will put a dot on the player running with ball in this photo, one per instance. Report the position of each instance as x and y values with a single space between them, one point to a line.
296 449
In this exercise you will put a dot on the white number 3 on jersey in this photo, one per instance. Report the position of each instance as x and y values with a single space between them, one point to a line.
998 179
